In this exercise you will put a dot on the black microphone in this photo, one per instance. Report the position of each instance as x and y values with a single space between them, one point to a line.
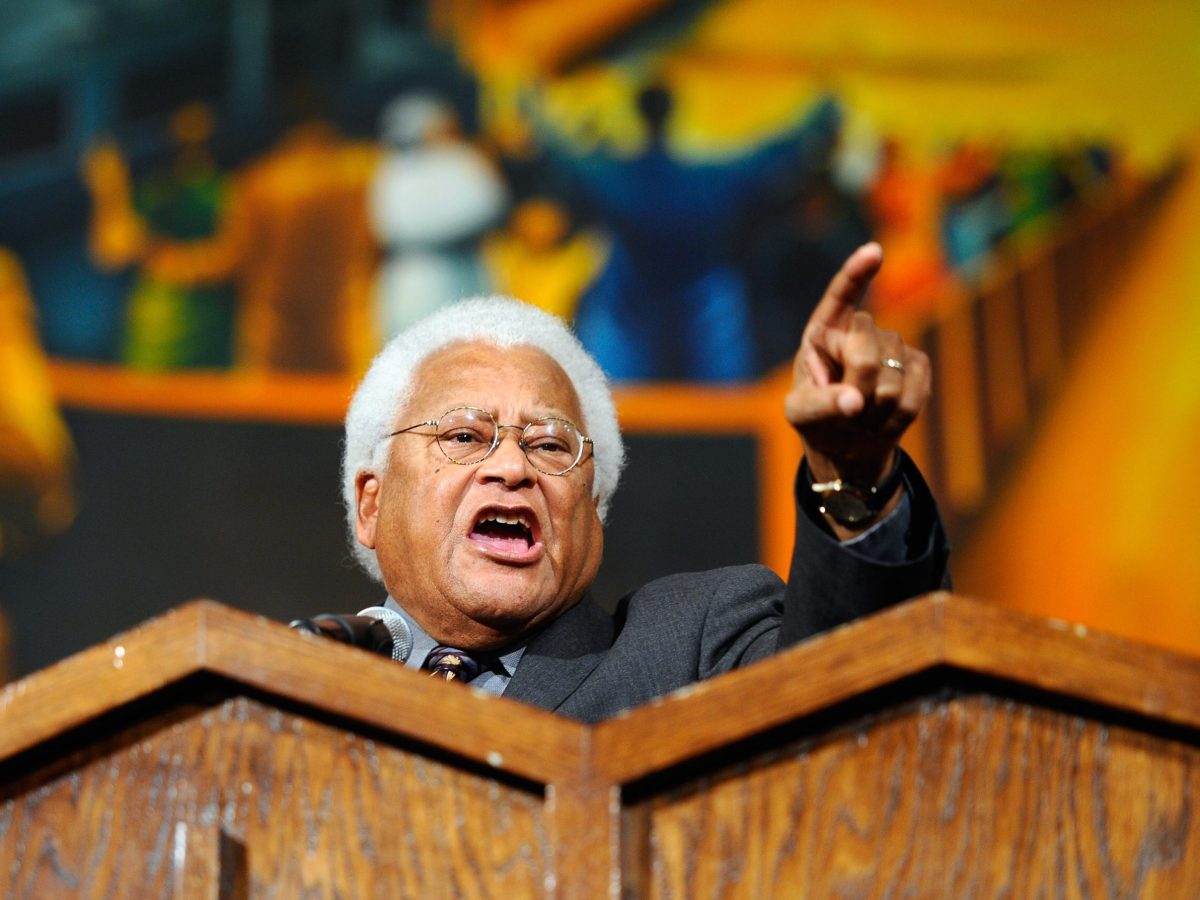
376 628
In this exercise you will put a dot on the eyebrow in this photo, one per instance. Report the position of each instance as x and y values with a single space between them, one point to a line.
495 414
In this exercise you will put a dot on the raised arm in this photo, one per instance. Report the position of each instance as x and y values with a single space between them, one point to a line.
855 390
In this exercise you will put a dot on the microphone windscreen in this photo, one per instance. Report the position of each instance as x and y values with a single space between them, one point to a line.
397 626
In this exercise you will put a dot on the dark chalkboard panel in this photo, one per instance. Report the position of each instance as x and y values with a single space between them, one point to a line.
250 514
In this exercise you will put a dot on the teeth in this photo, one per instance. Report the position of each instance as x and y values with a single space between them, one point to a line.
508 520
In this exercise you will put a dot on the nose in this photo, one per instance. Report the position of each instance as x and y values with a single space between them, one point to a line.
508 462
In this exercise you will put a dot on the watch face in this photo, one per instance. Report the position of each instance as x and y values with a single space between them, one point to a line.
847 506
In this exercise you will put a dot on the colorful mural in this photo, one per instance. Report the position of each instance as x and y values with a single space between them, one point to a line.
216 212
37 494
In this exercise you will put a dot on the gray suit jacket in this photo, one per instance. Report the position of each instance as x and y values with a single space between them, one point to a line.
676 630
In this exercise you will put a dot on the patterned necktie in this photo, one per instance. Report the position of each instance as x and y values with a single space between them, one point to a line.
450 664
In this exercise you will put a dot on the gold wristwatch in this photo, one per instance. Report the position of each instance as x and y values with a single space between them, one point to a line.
856 505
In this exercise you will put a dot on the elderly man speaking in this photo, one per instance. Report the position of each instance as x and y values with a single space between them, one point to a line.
483 451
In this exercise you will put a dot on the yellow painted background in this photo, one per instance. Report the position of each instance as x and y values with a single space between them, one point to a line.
1100 520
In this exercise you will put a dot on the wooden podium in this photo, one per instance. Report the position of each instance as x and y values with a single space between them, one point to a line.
943 748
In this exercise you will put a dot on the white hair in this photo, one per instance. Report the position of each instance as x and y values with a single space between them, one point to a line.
502 322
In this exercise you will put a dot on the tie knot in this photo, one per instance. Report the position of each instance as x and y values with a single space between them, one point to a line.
451 664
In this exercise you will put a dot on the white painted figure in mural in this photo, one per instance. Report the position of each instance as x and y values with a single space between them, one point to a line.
434 196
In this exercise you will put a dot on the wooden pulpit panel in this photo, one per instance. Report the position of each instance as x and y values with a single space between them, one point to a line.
971 797
941 748
245 799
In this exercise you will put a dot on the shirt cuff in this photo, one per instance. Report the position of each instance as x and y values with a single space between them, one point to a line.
887 540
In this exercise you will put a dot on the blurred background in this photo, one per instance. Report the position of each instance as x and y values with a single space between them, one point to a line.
212 212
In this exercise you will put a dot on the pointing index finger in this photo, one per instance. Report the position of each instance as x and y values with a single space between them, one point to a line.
848 286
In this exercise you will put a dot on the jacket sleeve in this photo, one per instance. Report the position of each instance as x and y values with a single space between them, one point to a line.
830 583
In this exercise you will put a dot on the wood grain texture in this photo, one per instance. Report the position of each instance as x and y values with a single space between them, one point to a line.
936 631
584 819
321 811
206 637
837 666
213 753
130 666
974 797
1072 661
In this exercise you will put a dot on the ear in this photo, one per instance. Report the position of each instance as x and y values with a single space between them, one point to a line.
366 507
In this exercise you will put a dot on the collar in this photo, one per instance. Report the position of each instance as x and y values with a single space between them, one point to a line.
503 665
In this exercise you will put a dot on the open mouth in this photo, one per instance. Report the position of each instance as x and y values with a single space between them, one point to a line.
510 533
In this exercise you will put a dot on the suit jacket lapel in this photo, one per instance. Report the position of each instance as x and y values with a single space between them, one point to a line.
558 659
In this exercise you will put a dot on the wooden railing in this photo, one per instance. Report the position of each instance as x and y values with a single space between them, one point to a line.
1001 344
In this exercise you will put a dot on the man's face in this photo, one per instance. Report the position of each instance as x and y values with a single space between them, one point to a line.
469 584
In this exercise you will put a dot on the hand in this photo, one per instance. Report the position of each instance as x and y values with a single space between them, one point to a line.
855 387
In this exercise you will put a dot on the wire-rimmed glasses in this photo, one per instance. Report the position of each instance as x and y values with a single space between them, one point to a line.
467 435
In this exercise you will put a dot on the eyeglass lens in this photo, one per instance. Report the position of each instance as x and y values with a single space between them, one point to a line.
467 436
